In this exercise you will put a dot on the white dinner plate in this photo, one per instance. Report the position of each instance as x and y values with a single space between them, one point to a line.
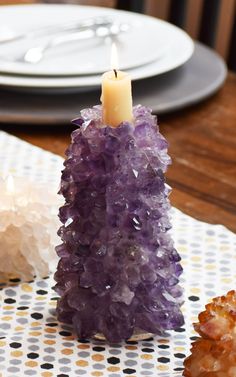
177 55
147 40
84 56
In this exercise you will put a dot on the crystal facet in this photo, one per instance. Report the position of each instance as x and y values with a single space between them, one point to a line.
214 354
119 268
28 226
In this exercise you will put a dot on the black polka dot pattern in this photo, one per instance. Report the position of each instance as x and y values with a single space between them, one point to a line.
180 355
181 329
65 333
15 345
99 349
32 355
194 298
9 301
148 350
46 366
129 371
131 342
163 346
193 338
163 360
113 360
83 341
37 316
41 292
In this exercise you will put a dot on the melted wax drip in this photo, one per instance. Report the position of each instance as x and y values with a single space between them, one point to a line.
118 268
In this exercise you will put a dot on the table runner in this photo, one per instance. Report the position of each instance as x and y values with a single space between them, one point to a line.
32 343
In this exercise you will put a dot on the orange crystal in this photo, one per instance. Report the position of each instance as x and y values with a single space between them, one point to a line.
214 354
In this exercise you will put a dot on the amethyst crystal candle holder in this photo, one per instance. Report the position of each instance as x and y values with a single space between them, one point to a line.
118 268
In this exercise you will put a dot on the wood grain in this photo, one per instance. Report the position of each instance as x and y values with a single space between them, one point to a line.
203 148
158 8
193 17
225 27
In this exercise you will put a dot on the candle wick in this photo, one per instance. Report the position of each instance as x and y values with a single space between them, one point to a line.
115 71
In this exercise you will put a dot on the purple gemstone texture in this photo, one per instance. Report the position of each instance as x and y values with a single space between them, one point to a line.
118 267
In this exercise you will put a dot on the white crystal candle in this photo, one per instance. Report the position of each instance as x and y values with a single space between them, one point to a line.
28 224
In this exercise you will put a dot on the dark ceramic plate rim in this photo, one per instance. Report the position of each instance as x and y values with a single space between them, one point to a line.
41 111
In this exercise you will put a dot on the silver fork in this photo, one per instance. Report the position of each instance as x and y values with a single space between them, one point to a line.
35 54
54 29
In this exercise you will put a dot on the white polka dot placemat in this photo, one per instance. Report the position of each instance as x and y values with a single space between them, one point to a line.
32 343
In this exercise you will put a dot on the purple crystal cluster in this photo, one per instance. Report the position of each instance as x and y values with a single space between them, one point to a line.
118 268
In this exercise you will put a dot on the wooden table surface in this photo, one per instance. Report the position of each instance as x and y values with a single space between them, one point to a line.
203 148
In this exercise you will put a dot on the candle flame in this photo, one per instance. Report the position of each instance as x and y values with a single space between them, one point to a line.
10 185
114 57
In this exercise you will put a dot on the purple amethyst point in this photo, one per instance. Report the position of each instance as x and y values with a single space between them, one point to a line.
118 268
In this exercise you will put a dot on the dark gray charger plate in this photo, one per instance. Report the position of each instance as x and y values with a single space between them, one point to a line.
196 80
